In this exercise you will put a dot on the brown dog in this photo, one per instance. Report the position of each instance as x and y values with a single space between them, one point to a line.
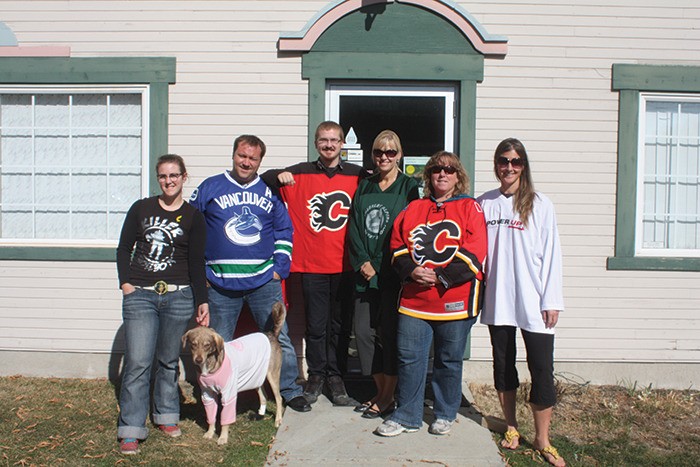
242 364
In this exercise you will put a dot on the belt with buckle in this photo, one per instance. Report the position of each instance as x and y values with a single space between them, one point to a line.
162 287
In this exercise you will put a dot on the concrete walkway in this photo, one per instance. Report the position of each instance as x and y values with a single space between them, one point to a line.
340 437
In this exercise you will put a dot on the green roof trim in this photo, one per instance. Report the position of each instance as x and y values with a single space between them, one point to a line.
656 78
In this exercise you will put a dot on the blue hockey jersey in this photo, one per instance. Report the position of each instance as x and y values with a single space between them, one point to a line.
249 232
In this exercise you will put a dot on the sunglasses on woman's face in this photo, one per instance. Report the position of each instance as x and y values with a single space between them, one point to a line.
436 169
515 162
390 153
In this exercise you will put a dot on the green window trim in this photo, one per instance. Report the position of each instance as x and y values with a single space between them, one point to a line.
156 72
630 80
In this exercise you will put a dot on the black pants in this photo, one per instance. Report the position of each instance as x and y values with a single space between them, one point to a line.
376 322
328 304
540 362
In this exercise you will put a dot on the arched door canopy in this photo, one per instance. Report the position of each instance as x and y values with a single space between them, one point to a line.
481 40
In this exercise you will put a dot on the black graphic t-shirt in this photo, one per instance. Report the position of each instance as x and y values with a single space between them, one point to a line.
159 245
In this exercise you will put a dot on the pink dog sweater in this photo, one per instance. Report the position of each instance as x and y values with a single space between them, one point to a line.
245 366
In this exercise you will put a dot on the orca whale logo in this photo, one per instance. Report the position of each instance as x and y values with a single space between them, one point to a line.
244 228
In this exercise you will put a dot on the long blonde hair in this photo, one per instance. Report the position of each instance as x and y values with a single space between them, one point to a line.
524 196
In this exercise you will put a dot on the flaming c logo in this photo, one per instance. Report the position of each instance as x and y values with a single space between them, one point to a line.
435 243
329 210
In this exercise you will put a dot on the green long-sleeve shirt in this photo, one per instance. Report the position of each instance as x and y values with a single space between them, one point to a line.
371 220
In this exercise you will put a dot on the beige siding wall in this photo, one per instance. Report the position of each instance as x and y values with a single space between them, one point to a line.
552 91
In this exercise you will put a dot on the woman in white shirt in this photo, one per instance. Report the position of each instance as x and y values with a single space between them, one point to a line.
523 290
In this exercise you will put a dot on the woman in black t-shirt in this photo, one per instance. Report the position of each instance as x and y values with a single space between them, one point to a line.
160 261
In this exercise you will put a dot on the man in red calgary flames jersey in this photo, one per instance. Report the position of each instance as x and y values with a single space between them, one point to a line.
318 195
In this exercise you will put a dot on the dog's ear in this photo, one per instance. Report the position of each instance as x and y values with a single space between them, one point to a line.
185 336
219 345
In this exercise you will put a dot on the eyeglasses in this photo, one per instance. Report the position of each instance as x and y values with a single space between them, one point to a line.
164 177
332 141
449 169
515 162
390 153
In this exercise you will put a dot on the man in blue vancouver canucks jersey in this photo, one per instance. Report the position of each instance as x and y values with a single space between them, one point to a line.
248 253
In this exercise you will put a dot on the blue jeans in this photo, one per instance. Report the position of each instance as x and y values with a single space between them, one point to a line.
153 328
225 309
414 338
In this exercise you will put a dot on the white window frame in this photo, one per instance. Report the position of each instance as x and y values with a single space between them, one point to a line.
639 216
144 90
335 90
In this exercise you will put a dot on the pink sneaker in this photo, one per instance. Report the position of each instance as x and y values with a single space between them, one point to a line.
129 446
171 430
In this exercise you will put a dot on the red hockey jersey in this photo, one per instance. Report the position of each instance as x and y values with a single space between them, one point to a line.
319 205
450 238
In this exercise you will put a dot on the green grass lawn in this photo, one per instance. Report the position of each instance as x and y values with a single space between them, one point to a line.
74 422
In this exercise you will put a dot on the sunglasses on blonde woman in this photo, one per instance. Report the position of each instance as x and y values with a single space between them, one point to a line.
515 162
390 153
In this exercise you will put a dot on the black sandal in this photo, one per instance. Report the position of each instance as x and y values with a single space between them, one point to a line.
374 413
362 407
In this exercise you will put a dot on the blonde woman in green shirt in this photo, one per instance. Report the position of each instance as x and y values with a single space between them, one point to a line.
377 202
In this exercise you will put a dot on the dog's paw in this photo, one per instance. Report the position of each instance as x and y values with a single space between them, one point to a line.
208 435
222 440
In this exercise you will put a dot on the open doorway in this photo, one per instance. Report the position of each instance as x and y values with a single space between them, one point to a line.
423 115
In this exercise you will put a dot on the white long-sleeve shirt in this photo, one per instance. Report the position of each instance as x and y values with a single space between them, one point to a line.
523 267
245 367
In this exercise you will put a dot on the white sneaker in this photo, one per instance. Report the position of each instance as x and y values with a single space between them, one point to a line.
392 428
440 426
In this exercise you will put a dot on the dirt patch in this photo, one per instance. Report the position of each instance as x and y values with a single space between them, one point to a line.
607 425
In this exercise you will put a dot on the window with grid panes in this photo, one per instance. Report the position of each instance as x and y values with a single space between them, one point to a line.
71 162
668 217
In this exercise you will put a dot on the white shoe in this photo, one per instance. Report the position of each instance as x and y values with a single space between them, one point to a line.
440 426
391 428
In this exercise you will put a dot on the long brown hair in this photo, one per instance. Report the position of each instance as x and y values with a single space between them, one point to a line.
524 196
